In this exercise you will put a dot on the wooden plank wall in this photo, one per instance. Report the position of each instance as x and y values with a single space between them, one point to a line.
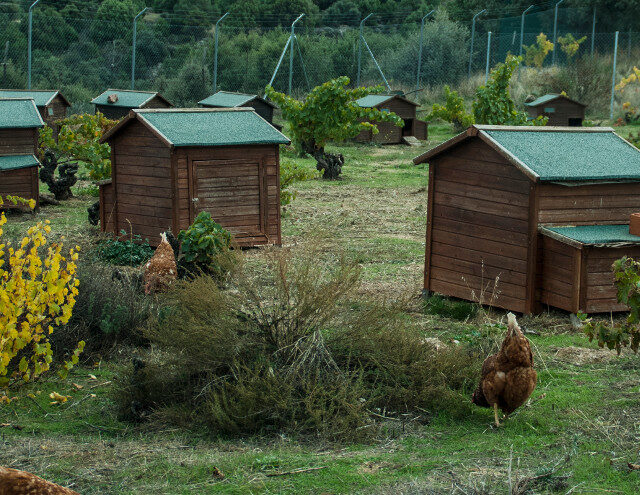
559 274
18 141
141 174
107 204
113 113
22 182
156 103
265 111
480 225
584 205
59 112
600 294
232 217
420 129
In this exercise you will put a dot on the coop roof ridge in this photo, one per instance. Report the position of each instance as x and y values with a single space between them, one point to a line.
549 157
106 92
541 100
194 109
54 93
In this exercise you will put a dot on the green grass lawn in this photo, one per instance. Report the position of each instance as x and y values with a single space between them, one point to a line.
577 435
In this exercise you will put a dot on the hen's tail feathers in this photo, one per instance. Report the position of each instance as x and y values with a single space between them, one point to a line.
478 398
512 324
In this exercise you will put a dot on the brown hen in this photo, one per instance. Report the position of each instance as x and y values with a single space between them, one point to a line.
161 270
14 482
508 377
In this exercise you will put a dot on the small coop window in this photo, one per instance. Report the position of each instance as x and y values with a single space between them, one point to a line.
50 111
549 110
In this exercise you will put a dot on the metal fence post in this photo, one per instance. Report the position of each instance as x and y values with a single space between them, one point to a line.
360 48
293 38
133 47
215 54
486 70
613 78
473 34
30 37
593 31
555 31
420 51
522 28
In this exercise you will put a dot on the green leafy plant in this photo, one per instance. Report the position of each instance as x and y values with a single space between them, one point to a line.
570 45
78 142
493 103
537 53
290 173
329 113
203 240
452 111
128 249
626 333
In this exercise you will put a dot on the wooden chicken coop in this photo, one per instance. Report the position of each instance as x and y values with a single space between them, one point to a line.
227 99
168 165
523 217
20 121
390 133
561 110
51 104
117 103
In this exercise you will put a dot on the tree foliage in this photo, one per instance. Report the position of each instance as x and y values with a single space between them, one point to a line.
38 290
536 54
570 45
79 141
494 104
329 113
621 333
452 111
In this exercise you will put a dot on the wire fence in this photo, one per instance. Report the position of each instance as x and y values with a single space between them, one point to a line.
84 55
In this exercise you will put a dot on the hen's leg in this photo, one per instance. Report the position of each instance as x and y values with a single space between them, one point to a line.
495 413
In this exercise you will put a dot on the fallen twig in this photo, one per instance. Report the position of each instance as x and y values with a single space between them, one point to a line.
296 471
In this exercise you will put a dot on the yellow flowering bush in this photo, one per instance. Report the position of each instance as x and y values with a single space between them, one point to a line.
633 77
38 290
536 53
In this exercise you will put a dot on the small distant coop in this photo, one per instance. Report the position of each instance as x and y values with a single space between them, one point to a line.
117 103
390 133
525 217
19 125
168 165
51 104
560 109
227 99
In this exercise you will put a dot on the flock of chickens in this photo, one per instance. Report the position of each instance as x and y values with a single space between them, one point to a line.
508 377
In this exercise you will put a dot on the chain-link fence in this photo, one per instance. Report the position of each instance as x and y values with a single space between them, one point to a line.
84 53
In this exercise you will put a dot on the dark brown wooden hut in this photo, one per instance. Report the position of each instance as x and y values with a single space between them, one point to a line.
170 164
19 124
561 110
51 104
228 99
390 133
541 210
117 103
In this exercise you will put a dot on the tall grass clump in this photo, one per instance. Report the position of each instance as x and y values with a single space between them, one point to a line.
281 348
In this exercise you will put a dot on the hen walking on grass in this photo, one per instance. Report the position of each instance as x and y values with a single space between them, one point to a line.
508 377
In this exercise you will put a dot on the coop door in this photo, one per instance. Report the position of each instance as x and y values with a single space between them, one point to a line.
233 192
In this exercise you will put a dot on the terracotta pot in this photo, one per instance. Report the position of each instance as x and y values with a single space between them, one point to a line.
634 224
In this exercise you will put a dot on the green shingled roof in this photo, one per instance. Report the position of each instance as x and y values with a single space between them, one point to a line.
127 99
41 97
541 100
13 162
227 99
199 127
19 113
596 234
370 101
570 155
